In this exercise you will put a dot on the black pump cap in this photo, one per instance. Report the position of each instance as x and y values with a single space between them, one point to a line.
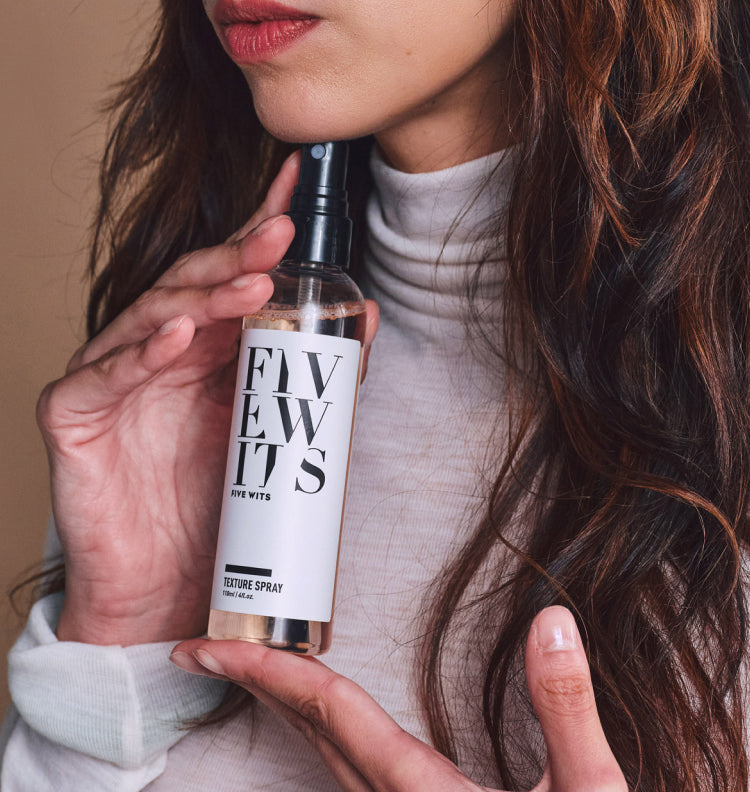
319 207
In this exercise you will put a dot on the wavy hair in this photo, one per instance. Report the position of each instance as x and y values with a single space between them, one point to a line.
629 267
625 340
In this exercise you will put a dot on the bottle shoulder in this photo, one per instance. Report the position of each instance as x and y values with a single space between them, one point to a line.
298 285
322 300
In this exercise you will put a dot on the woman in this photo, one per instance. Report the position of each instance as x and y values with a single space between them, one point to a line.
556 202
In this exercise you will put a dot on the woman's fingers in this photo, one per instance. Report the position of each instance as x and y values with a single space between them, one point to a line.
245 294
277 198
228 281
236 255
328 706
255 251
222 282
360 741
227 268
345 773
105 382
578 755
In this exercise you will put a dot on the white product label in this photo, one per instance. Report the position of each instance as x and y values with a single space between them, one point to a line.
286 474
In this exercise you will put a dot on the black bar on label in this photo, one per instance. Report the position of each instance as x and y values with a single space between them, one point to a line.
243 570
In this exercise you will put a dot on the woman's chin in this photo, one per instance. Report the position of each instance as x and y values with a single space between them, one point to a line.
307 122
294 131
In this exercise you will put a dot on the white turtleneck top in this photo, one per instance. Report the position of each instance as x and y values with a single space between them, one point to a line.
424 451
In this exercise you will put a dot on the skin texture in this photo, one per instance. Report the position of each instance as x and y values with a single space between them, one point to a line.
136 430
430 78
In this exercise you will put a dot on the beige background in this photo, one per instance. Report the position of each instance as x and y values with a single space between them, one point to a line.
57 60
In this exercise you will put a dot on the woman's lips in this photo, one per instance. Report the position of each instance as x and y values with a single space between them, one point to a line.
257 30
252 42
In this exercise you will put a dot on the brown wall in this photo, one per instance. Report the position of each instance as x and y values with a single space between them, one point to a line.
58 59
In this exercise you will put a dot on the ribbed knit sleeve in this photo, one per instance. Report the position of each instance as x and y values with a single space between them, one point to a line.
119 709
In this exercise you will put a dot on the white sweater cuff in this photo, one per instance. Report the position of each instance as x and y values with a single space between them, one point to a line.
121 704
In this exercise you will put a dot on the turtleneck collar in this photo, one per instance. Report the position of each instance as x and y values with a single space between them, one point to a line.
426 234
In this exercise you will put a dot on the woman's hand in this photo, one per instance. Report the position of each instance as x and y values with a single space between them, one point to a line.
366 750
137 432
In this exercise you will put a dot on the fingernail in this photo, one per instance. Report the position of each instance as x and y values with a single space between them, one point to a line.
556 630
171 325
182 660
208 661
245 281
267 225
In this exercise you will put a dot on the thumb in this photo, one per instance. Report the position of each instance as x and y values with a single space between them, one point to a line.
557 673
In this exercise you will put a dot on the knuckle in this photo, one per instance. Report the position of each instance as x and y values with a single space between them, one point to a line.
307 730
568 693
145 303
53 412
317 710
105 365
183 260
208 292
234 243
77 360
45 406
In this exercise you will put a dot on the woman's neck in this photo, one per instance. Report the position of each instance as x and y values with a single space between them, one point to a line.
470 119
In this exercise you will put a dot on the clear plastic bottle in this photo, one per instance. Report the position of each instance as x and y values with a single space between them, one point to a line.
299 369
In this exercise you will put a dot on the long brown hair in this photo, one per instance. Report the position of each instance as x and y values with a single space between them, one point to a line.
626 344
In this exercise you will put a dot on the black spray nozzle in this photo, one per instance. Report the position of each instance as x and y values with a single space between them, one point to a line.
319 207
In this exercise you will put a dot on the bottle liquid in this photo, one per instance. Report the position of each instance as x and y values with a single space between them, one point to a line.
299 370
